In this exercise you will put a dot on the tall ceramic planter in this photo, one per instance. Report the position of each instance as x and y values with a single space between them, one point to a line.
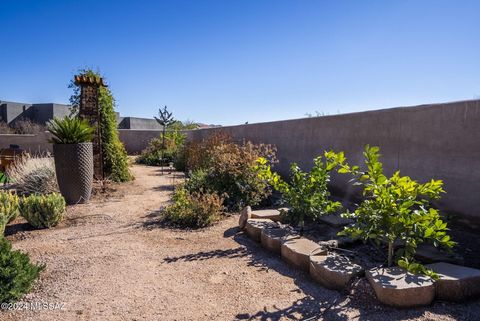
74 168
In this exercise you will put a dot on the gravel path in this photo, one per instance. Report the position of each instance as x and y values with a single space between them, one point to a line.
112 260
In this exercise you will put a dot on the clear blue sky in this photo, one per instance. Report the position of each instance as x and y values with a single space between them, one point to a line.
231 61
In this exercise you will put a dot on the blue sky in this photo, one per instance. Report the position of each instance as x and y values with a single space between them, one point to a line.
232 61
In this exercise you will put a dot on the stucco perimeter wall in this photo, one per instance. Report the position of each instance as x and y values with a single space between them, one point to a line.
440 141
135 140
34 144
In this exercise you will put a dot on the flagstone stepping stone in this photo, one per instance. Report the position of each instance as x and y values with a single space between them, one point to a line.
272 239
274 215
254 227
456 282
297 251
245 214
334 220
333 271
397 287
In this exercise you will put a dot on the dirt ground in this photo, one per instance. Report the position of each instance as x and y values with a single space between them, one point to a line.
112 260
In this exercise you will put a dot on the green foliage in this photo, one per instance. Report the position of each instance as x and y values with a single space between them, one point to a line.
230 170
9 203
115 159
396 210
17 274
43 211
307 192
70 131
194 209
163 150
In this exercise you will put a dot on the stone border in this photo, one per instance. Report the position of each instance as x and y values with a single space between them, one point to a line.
393 286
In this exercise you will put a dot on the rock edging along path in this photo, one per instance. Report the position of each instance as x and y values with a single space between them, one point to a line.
393 286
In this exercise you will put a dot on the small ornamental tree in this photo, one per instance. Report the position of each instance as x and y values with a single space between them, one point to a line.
307 192
115 160
396 210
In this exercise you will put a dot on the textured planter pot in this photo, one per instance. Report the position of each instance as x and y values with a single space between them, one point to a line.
74 168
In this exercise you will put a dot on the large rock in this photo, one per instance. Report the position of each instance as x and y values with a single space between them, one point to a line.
397 287
254 227
456 283
297 251
273 215
245 215
273 238
333 271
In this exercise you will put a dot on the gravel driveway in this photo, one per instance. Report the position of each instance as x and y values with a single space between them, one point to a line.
112 260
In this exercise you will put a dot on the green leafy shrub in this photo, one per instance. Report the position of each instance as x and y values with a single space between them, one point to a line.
70 131
307 192
9 204
115 159
396 210
194 209
155 155
43 211
230 170
17 274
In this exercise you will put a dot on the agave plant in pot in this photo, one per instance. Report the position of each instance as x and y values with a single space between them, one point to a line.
73 154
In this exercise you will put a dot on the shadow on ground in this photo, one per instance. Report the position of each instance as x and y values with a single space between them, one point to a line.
320 303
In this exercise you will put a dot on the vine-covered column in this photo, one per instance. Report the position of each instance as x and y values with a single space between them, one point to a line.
90 111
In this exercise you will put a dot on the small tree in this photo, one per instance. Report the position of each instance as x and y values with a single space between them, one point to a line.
165 119
307 192
396 209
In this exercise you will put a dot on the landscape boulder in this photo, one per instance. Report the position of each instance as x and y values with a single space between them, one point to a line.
254 227
273 215
456 283
397 287
245 214
297 251
333 271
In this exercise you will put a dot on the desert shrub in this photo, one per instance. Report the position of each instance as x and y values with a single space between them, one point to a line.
5 129
396 210
17 274
34 174
26 126
194 209
229 169
115 159
43 211
9 203
155 155
306 192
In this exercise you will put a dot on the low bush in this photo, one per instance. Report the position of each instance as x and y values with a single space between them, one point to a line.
26 126
153 155
396 210
17 274
34 175
194 209
43 211
229 169
9 204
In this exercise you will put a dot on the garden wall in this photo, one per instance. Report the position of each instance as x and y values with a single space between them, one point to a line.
440 141
134 140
